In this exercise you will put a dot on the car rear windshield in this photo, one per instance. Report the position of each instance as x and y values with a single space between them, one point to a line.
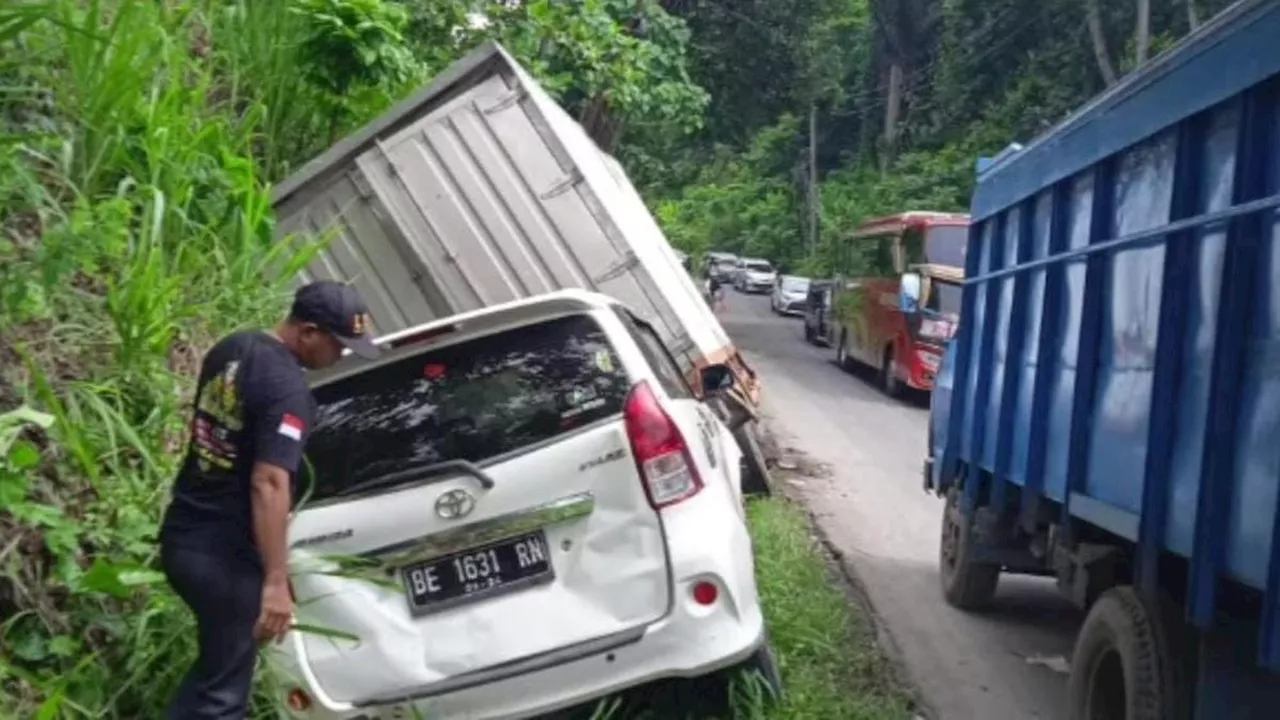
470 401
760 266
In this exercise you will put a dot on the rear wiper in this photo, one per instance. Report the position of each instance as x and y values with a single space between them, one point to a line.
434 471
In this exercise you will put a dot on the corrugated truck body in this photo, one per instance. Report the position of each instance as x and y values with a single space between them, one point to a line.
480 189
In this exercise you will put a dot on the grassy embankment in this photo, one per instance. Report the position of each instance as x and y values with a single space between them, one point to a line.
830 663
137 143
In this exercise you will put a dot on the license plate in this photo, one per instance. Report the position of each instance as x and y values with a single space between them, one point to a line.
478 573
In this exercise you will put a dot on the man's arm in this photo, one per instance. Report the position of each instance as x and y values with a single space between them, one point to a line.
271 502
280 404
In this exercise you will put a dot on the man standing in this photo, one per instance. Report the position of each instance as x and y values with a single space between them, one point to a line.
223 539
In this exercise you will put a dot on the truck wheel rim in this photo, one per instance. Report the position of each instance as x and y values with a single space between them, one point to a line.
1107 699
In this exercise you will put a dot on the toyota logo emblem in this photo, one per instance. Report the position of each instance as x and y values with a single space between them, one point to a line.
455 504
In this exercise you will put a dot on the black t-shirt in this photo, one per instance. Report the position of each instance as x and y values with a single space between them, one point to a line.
252 405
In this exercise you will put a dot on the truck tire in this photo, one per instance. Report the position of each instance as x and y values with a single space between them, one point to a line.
1129 661
966 585
755 470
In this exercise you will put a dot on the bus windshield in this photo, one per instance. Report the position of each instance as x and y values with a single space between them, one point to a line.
945 245
944 297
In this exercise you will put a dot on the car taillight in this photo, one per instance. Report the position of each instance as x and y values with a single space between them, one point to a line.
661 453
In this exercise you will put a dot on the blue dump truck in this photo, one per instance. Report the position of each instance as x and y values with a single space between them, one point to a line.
1109 412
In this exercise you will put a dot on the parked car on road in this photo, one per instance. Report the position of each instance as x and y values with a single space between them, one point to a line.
548 513
789 295
819 322
722 265
754 275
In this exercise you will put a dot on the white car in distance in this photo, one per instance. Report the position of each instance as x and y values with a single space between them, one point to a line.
789 295
545 514
755 275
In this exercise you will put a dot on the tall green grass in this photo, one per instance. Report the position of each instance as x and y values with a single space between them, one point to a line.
137 139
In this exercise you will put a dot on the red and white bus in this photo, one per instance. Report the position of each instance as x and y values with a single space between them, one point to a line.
897 296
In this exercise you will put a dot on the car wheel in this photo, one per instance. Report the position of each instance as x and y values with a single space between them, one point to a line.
747 685
888 378
757 677
1130 660
755 470
966 584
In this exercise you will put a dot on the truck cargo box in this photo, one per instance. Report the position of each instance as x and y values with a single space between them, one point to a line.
480 189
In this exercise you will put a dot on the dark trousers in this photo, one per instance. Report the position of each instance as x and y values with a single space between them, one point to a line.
225 593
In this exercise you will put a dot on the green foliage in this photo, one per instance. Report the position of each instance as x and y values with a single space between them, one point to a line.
978 75
583 50
138 141
353 45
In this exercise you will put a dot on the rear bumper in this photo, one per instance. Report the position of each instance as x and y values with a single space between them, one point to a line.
707 541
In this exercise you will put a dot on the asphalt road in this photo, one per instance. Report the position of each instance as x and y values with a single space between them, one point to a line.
1006 664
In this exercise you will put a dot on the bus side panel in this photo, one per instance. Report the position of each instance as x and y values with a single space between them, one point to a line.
1130 320
1059 427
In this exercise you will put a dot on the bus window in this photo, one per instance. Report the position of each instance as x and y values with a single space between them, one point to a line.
913 246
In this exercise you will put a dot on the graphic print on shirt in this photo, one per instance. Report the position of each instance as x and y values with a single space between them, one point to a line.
219 418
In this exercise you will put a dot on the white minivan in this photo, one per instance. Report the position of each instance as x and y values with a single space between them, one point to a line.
513 511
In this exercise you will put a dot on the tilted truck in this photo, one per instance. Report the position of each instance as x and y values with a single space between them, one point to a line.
1109 413
480 189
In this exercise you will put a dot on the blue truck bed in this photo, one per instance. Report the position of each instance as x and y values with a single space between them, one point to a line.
1118 362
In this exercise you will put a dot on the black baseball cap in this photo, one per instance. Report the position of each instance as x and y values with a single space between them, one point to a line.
337 309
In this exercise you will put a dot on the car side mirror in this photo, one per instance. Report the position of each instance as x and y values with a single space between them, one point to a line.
909 293
716 378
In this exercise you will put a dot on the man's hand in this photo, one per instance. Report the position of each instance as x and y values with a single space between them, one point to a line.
277 612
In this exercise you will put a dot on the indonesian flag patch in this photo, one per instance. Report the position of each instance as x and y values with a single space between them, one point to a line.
291 426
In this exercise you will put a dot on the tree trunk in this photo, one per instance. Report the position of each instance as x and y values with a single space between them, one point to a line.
1143 31
892 109
815 199
1100 52
1193 17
